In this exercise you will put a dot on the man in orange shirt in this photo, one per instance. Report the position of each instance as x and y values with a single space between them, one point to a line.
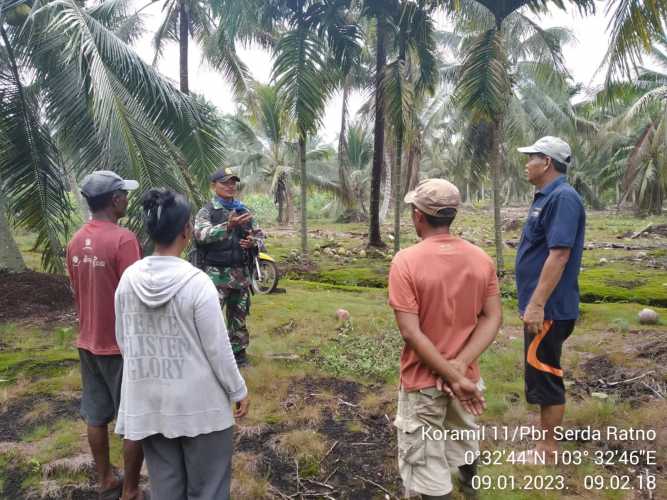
445 296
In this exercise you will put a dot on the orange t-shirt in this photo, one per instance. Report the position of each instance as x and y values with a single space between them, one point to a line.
445 281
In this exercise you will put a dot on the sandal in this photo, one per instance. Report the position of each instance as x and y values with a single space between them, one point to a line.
113 493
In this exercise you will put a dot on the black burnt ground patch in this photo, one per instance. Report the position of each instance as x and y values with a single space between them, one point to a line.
360 459
602 375
13 421
361 456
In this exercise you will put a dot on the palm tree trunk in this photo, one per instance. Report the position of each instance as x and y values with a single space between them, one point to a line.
346 196
413 162
398 202
374 237
183 37
281 211
386 182
496 159
290 203
304 194
10 257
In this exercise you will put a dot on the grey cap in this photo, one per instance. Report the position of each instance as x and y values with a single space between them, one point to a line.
105 181
554 147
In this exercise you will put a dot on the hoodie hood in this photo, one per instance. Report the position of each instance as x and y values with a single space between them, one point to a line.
157 279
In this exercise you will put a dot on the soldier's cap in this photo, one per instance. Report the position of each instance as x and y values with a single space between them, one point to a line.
433 195
105 181
223 175
554 147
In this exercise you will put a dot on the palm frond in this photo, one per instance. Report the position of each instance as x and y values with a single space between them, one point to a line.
634 23
30 165
484 84
140 122
168 29
220 53
301 79
399 93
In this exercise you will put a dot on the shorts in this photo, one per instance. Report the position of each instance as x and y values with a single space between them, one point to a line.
543 372
101 378
427 447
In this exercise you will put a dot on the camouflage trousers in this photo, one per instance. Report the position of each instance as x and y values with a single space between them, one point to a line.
236 305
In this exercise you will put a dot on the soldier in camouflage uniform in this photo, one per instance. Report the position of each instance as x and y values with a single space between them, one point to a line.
225 235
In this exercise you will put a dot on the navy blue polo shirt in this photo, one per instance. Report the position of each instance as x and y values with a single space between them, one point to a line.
556 220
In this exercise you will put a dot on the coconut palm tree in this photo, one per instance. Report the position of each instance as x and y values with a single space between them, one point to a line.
357 77
313 33
411 75
485 86
379 11
633 140
358 157
263 143
73 94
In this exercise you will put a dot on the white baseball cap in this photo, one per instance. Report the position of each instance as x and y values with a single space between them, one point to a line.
554 147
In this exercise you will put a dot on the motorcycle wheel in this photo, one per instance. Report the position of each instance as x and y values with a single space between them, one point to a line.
269 280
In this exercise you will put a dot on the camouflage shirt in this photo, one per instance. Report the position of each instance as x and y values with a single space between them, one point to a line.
206 232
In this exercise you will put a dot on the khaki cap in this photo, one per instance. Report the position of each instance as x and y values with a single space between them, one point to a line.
432 195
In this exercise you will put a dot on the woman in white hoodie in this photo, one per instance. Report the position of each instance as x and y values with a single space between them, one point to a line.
181 387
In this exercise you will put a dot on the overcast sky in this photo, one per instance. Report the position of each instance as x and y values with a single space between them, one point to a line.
582 59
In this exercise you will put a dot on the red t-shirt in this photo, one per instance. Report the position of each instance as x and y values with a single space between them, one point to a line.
96 257
445 281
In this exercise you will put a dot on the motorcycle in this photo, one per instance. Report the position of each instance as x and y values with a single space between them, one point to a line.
265 271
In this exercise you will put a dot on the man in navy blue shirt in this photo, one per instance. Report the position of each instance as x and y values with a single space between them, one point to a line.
547 269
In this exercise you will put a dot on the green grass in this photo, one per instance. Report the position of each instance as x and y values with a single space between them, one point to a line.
369 354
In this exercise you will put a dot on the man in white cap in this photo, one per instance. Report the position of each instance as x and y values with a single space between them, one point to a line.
97 255
444 292
547 269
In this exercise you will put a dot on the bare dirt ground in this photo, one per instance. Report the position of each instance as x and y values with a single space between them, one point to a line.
34 295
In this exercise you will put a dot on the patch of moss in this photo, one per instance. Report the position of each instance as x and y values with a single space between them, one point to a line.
316 285
356 276
36 364
623 283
